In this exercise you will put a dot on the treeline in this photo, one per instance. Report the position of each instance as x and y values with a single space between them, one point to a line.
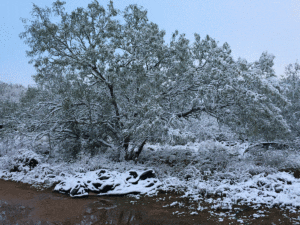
10 92
105 82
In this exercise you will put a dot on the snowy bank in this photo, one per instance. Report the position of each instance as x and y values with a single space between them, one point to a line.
29 167
222 189
279 189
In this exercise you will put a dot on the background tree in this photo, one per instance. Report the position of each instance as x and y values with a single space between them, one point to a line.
236 93
290 87
10 95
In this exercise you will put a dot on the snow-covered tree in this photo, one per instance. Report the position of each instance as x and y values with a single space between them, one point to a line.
10 95
237 93
290 85
112 81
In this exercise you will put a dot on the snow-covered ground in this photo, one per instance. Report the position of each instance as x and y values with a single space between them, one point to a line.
216 173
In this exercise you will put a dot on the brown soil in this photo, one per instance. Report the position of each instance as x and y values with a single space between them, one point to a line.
22 204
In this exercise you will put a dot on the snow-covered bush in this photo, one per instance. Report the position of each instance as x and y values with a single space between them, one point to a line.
258 169
21 160
10 144
191 161
5 163
277 159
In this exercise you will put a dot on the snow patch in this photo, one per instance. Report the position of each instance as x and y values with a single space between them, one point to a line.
279 189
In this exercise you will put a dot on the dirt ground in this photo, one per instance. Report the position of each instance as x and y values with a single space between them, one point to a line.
22 204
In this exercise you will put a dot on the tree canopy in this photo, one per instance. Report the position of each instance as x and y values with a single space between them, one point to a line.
109 80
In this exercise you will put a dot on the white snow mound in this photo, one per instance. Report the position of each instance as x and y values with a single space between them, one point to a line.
104 182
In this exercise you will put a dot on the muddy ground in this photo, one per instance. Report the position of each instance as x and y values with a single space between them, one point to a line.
22 204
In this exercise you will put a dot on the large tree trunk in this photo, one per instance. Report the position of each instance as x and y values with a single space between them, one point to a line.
132 155
125 146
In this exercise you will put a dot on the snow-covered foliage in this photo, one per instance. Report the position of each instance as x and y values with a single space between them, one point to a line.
24 160
277 189
10 95
11 92
119 85
289 85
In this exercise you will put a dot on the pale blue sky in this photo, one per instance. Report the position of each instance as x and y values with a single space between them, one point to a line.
249 26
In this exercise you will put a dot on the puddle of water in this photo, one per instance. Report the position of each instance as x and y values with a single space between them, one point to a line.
21 204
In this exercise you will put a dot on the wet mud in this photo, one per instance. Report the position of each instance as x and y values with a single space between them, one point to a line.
22 204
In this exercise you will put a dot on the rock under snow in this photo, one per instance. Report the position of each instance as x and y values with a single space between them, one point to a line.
104 182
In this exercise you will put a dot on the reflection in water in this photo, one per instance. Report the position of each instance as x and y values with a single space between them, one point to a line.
102 204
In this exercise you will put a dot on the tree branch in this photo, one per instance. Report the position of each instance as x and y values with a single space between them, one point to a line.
187 113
